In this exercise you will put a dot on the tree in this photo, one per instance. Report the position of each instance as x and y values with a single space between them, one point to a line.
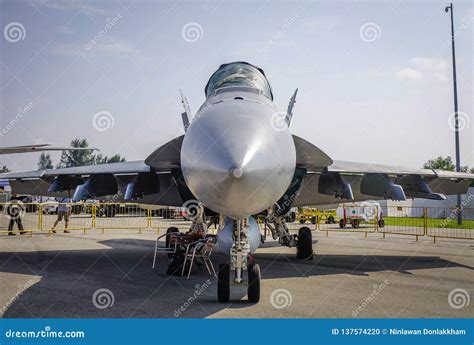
99 159
45 161
4 169
71 158
440 163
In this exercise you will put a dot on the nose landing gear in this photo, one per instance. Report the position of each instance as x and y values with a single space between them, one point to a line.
240 260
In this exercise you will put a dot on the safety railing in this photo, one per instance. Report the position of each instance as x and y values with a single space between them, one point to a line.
443 223
51 217
120 216
164 218
60 217
363 219
402 220
18 216
434 222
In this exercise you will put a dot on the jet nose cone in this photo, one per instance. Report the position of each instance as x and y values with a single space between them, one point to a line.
234 161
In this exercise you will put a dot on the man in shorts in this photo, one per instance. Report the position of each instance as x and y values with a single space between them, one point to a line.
64 211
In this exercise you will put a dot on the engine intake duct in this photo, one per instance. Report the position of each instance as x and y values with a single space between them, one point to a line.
96 185
142 184
332 183
380 185
416 187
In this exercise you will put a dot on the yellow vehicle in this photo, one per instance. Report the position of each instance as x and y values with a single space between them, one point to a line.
313 214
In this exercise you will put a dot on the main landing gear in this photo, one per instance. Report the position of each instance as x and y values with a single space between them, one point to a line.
240 260
303 241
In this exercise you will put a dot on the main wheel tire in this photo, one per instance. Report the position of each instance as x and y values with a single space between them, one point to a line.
253 289
342 224
304 246
331 220
223 283
381 223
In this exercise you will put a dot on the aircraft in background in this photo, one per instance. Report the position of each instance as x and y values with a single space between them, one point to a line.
238 159
6 150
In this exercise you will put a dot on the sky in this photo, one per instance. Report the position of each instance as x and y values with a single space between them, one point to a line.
374 78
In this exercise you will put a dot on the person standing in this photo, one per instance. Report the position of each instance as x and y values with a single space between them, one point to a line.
15 211
64 211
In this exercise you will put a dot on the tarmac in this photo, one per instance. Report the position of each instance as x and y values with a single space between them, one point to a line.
110 275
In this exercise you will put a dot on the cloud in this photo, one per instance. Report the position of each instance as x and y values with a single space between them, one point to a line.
408 74
424 68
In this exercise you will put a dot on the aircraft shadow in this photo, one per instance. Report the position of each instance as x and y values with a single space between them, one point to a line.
70 278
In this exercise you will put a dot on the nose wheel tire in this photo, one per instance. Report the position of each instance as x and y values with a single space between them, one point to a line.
223 283
304 247
253 290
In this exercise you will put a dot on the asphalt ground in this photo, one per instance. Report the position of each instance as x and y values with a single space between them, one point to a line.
110 275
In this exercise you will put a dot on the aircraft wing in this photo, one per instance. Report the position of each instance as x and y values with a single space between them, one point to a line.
124 181
5 150
343 180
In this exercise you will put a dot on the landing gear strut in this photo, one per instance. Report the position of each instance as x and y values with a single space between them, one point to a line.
240 260
303 241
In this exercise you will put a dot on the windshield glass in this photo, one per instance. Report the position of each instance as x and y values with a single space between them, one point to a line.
238 74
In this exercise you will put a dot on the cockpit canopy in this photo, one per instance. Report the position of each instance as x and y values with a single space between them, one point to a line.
239 74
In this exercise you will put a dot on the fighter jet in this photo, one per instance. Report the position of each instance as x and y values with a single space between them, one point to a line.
238 159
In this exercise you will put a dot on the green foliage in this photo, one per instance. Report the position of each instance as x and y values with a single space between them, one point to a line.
45 161
440 163
70 158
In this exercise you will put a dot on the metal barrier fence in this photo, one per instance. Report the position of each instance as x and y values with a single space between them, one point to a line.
434 222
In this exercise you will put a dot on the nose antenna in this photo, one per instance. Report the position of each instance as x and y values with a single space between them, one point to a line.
237 172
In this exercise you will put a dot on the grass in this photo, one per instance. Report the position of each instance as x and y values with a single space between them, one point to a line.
432 223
